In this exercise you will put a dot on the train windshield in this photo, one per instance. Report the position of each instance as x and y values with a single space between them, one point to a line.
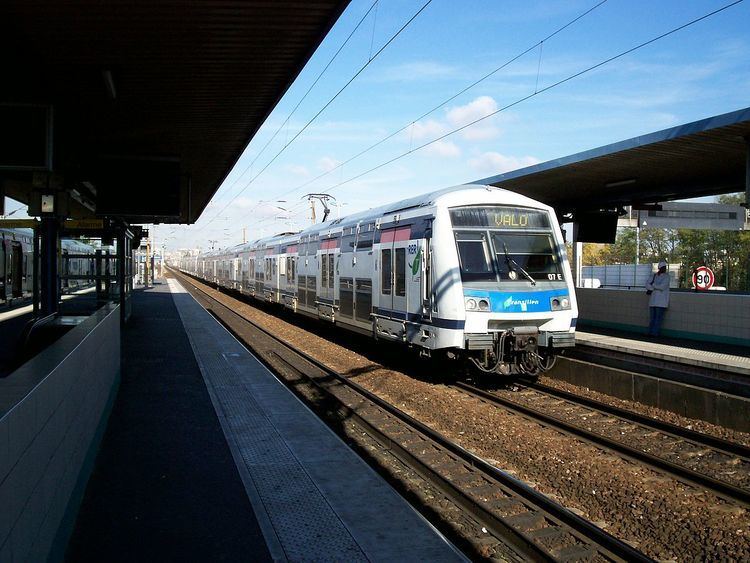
533 253
500 243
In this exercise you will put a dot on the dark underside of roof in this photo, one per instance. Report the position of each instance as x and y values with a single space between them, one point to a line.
705 157
150 91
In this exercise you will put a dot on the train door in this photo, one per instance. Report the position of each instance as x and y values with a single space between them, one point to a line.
323 275
244 265
236 274
394 244
3 271
65 269
17 269
425 285
327 265
415 274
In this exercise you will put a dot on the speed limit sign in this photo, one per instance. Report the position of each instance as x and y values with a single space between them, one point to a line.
703 278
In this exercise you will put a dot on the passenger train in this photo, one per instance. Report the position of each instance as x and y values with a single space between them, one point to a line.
17 264
472 271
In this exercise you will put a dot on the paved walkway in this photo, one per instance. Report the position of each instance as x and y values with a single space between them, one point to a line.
726 358
165 486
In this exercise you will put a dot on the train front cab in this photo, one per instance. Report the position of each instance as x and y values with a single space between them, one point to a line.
516 287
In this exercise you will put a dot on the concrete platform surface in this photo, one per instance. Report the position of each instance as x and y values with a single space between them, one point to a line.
164 486
673 352
314 497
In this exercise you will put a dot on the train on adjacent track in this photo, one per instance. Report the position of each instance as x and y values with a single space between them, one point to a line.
17 264
473 272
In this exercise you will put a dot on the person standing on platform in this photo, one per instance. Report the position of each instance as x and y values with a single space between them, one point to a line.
658 290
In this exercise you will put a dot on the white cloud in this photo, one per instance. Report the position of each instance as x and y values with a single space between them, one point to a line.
327 163
478 108
443 149
298 170
495 163
426 130
456 117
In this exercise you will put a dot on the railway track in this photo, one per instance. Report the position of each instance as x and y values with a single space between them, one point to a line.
694 458
529 524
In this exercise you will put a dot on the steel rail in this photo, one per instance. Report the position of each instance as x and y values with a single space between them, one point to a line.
725 446
609 546
725 490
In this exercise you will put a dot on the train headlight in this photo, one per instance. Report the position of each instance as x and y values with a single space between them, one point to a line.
484 305
471 304
559 303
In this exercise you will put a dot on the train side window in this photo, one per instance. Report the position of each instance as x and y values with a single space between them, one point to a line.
323 270
400 272
385 272
331 275
473 257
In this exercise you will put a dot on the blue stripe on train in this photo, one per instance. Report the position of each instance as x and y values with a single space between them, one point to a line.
416 318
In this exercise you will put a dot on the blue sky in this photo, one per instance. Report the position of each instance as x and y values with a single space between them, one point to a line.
701 71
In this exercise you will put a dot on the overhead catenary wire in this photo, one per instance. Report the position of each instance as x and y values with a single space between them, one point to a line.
445 102
326 105
538 92
440 105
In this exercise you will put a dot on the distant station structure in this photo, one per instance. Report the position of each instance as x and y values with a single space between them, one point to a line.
706 157
688 215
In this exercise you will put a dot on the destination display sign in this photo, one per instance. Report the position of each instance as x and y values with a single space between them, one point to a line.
18 223
500 217
84 224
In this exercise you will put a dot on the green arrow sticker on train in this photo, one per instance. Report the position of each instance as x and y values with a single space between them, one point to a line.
415 264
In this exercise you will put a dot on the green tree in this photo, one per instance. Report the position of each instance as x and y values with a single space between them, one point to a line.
658 244
727 253
623 249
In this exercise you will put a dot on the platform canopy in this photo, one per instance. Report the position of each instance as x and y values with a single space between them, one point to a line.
140 108
706 157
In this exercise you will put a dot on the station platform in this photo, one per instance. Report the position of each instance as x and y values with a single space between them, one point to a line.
207 456
711 356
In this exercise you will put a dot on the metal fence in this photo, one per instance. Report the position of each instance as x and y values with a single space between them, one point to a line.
624 275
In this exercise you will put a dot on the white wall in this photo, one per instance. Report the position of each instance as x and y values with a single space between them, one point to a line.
712 316
52 411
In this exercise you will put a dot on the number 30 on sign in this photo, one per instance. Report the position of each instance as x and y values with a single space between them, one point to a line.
703 278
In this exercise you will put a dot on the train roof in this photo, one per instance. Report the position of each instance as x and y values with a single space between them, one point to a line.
25 232
422 200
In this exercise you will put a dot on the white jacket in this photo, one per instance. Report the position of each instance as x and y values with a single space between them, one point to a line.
659 285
